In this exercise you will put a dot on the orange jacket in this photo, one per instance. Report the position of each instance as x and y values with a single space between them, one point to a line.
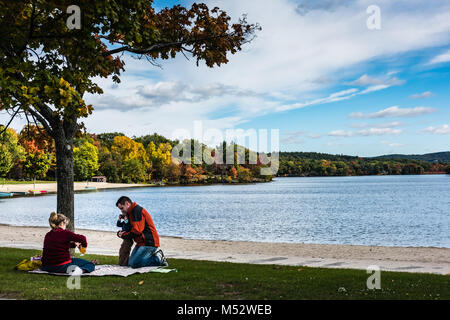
143 230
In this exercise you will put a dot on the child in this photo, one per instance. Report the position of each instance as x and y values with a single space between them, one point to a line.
125 248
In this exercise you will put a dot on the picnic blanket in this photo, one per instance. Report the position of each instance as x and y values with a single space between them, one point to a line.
112 270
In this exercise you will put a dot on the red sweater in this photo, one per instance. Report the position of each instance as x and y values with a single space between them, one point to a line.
57 243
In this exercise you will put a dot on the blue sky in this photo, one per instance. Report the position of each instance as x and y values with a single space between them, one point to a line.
315 72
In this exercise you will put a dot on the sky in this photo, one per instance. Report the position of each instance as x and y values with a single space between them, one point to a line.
331 76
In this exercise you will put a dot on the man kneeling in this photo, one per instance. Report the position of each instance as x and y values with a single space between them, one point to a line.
146 251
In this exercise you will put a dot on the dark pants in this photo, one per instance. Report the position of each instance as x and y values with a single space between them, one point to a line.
85 265
124 252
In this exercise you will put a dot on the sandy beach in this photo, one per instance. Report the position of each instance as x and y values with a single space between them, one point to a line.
78 186
404 259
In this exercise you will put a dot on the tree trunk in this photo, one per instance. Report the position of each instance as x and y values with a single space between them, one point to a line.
64 178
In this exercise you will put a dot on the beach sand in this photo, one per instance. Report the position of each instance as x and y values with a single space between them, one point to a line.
404 259
78 186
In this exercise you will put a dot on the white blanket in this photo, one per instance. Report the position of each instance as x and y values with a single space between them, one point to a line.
112 270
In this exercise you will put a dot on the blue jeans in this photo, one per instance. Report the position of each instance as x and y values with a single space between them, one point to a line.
144 256
85 265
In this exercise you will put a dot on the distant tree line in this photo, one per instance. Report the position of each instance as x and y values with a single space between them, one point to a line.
442 157
319 164
30 154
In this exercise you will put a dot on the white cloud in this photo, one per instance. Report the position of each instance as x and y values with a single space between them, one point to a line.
442 129
441 58
293 137
314 135
365 132
359 125
342 133
379 131
378 125
392 144
306 6
388 125
423 95
163 93
395 144
337 96
374 88
366 80
393 112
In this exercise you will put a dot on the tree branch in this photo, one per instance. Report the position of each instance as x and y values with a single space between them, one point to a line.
45 124
44 115
142 51
28 125
12 118
37 125
159 46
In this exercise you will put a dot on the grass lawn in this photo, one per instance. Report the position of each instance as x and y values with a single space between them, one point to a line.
219 280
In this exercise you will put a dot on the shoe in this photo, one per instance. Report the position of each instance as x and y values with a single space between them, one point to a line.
159 253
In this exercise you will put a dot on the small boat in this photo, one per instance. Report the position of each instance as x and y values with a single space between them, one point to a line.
90 188
34 191
20 193
6 194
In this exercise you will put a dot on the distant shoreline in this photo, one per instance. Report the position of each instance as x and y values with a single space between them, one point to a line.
51 187
364 175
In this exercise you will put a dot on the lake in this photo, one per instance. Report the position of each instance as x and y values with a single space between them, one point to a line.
369 210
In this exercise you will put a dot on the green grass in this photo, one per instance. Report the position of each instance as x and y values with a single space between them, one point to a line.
219 280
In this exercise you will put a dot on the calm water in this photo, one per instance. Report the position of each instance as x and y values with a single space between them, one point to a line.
375 210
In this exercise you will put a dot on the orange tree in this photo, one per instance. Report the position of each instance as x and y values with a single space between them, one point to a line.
48 62
37 162
39 152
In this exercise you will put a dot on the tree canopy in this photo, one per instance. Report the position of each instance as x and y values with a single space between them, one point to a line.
46 66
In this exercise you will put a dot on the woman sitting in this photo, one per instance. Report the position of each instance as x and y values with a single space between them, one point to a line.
56 255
